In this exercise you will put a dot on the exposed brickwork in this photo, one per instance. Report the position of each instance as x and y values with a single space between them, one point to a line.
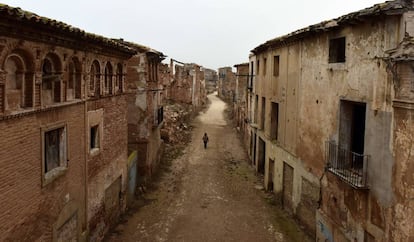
27 209
227 84
45 200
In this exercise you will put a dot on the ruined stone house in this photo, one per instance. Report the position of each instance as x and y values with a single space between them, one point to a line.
331 114
145 109
226 84
63 130
211 78
188 84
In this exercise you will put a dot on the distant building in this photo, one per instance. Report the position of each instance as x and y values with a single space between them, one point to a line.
331 114
211 78
188 84
227 84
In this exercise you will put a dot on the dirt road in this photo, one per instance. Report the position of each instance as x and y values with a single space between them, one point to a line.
209 194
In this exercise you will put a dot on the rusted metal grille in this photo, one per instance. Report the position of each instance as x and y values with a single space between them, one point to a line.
349 166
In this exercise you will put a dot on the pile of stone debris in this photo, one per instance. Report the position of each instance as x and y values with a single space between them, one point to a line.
176 129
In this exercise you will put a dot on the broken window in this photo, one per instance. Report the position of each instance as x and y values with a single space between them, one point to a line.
274 121
54 151
94 137
337 50
276 65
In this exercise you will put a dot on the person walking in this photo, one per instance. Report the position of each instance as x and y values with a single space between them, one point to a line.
205 140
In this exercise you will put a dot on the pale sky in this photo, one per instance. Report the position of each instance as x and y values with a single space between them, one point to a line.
212 33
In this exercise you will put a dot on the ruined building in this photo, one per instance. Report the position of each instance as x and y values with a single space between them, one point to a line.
211 78
226 84
331 112
145 109
63 129
188 84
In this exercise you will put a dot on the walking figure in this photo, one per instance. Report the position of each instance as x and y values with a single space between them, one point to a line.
205 140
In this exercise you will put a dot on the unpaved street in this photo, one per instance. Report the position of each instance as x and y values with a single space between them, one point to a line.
208 194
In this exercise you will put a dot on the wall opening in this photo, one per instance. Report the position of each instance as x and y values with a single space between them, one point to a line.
94 136
254 149
337 48
263 113
274 121
262 156
270 185
352 130
276 65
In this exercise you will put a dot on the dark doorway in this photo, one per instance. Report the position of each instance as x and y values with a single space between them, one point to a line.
262 156
352 132
270 176
254 149
274 121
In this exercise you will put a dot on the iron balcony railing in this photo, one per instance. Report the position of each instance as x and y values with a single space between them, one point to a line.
349 166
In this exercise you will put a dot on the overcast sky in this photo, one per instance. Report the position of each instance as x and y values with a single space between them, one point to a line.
212 33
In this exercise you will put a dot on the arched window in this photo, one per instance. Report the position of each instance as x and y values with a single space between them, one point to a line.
95 79
74 86
18 91
108 78
51 80
119 78
14 67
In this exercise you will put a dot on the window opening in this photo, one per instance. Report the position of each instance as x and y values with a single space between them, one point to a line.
337 50
274 121
54 153
94 136
276 65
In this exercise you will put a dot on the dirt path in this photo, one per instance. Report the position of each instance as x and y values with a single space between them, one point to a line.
208 194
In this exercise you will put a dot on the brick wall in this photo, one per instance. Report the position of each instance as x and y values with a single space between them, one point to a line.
28 210
107 165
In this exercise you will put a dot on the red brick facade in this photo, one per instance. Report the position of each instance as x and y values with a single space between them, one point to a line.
63 130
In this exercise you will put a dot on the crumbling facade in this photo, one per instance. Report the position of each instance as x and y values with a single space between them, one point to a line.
331 112
145 109
63 130
240 100
211 78
226 84
188 84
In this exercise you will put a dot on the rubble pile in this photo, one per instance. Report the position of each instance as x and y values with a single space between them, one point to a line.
176 128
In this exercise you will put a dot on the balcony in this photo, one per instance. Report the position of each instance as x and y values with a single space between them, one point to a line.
349 166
